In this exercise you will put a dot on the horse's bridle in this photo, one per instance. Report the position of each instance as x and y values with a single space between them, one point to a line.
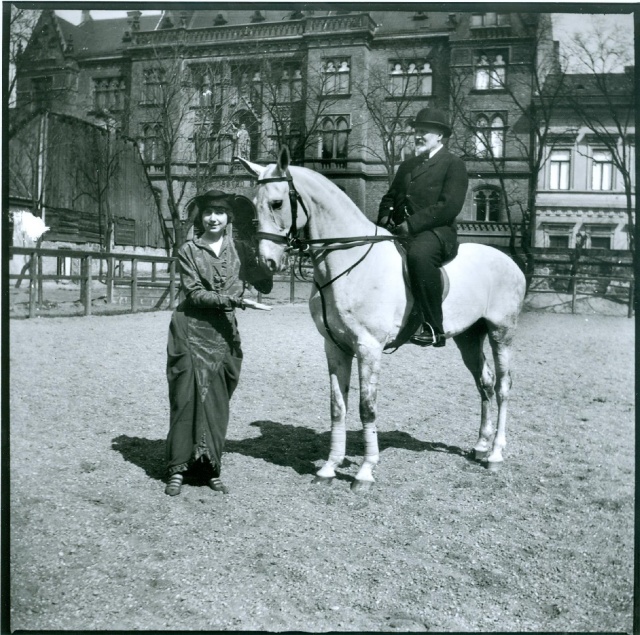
291 238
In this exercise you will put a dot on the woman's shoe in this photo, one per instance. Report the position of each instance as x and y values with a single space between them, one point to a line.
217 485
174 485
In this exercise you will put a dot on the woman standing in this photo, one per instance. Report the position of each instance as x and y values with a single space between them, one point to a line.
203 353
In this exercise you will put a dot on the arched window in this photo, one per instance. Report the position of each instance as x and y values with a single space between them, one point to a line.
152 141
487 202
497 137
335 140
482 74
480 136
488 137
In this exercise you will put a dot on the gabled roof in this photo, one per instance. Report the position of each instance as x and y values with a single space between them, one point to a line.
589 85
104 37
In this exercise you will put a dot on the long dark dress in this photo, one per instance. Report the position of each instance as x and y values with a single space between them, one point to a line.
204 355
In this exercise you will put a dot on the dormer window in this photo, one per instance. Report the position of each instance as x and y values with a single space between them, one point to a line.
219 20
257 17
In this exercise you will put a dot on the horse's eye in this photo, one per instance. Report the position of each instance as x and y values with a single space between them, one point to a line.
276 204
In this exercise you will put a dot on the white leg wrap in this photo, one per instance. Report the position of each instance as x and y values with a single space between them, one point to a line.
371 454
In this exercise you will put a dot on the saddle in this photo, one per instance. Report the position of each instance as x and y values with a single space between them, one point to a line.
415 317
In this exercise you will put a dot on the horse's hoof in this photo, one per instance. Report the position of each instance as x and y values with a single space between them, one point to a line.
361 487
480 455
494 466
322 480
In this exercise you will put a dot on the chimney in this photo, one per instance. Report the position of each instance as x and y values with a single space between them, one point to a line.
86 16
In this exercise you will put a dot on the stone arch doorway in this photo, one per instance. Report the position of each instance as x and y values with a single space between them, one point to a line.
248 145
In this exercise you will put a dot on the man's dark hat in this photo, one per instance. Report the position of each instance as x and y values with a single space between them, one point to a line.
432 117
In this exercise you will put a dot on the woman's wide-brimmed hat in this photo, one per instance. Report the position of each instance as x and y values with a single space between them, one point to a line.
241 207
432 118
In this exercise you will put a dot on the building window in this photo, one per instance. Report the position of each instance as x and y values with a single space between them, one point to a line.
600 242
108 93
490 71
410 79
489 137
602 170
152 143
489 19
559 169
152 84
336 77
335 140
558 240
599 236
487 203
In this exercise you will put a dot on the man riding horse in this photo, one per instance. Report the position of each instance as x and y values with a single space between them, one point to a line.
425 197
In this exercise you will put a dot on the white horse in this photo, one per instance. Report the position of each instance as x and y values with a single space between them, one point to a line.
362 305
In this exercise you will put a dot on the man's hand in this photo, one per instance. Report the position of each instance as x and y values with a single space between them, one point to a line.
252 304
401 230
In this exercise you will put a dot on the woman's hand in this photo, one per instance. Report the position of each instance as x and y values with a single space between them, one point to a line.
252 304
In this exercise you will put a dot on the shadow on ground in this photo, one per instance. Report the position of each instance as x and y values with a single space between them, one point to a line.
281 444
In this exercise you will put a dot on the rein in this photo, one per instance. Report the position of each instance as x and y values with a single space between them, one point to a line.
293 241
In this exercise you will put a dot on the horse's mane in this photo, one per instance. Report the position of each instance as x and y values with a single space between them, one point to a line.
326 186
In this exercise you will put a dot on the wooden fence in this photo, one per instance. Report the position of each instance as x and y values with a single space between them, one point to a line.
115 273
125 270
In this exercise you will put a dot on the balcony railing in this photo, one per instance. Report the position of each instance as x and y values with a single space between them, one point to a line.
262 31
485 227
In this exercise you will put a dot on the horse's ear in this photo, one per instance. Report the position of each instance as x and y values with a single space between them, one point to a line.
252 168
284 158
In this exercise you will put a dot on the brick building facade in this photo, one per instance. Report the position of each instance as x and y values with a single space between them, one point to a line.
337 86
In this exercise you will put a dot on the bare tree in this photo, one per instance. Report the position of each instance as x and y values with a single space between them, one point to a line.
168 94
98 173
389 95
603 98
532 101
21 24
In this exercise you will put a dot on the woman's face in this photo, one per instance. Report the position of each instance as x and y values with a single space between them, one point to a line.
215 217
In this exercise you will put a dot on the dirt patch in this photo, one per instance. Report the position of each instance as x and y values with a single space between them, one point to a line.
439 544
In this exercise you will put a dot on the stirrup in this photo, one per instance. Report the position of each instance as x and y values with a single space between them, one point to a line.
217 485
174 485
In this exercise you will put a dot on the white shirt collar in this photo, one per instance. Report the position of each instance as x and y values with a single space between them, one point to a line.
433 152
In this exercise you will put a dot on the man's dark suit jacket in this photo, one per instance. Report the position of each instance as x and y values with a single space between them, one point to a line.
433 192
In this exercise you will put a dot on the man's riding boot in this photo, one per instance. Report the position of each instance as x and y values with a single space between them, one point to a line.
428 337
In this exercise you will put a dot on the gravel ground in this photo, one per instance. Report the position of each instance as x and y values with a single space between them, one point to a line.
440 544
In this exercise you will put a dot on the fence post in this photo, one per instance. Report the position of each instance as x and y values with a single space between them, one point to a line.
172 284
40 289
631 289
153 272
134 285
110 267
292 283
574 288
32 285
87 284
